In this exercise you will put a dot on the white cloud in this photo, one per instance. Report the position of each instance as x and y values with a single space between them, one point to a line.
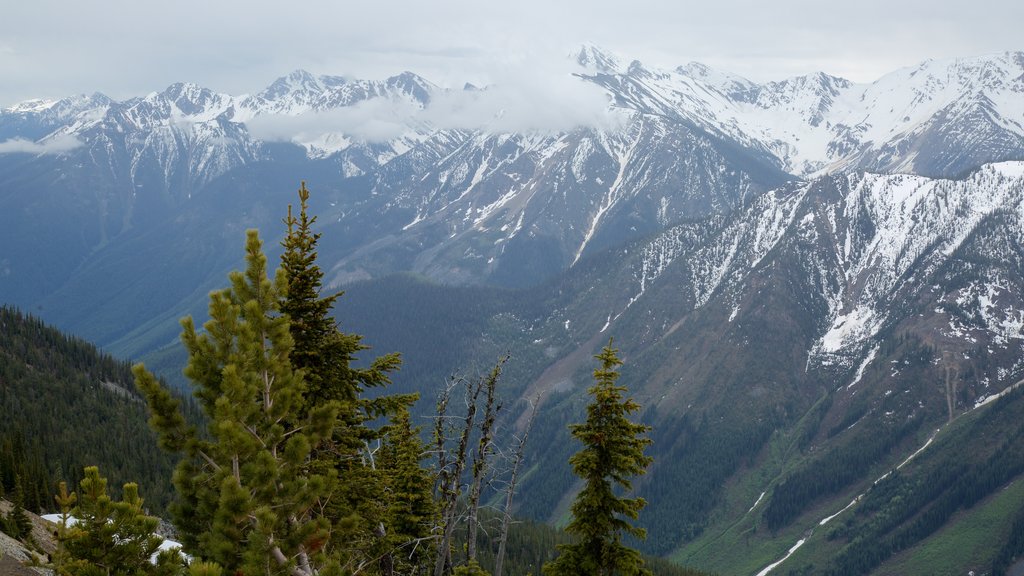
374 120
524 100
55 145
55 48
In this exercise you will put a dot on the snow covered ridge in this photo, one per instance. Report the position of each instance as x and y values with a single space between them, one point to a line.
917 223
819 123
811 124
873 239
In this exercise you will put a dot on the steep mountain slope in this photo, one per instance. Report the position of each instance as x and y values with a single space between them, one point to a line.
777 393
64 406
807 278
938 119
85 178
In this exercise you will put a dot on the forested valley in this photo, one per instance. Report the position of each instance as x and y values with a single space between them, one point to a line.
286 463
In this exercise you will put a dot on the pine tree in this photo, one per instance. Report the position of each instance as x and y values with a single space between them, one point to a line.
110 538
247 496
411 510
65 503
613 452
327 357
16 523
325 353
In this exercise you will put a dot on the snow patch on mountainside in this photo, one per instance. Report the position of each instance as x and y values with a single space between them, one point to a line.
819 123
744 242
914 224
852 327
612 196
982 300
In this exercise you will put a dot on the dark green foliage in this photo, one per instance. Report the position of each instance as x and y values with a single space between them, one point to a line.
247 496
1012 548
16 523
613 453
834 471
325 353
440 325
688 476
111 538
411 511
471 568
327 358
532 544
64 405
23 471
955 473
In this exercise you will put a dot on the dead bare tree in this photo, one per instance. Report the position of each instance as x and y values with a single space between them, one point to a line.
484 449
450 472
506 517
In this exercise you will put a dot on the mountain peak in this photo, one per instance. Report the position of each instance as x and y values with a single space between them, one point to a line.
595 58
185 91
414 85
815 81
735 87
297 81
29 106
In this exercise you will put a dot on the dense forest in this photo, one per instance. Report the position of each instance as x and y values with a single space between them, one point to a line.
300 452
35 454
296 467
64 404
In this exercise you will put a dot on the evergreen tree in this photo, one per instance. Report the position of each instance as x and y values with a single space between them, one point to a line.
248 499
18 518
321 350
110 538
411 510
65 503
327 356
16 523
613 452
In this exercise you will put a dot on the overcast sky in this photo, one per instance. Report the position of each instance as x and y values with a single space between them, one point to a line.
55 48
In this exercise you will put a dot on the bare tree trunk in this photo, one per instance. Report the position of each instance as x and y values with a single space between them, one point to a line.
480 458
449 478
506 518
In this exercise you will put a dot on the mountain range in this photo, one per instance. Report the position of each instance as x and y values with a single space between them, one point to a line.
817 285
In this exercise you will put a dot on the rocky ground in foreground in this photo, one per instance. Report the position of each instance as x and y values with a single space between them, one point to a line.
16 557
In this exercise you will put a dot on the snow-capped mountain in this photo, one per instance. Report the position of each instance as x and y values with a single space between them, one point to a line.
869 248
937 119
826 328
792 266
407 188
913 120
686 142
